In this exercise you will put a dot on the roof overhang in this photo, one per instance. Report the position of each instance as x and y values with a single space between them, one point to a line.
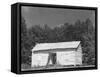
55 47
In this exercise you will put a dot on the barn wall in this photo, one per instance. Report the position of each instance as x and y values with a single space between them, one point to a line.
66 58
79 55
39 59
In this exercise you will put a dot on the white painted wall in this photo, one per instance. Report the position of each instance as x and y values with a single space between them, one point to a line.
78 55
66 58
39 59
63 58
70 57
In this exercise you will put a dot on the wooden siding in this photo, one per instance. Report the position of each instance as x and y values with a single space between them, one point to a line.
79 55
39 59
66 58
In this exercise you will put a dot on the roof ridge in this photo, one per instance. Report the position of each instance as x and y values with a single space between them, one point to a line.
58 42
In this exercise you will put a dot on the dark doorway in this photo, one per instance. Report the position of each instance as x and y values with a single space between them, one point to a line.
52 57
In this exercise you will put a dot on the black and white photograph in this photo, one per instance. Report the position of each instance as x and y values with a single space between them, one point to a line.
55 38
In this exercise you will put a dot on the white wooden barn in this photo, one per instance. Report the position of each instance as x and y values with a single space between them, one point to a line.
67 53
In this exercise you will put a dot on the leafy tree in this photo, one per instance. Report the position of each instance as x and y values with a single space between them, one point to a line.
25 44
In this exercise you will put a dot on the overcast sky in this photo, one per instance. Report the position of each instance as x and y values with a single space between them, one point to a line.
53 16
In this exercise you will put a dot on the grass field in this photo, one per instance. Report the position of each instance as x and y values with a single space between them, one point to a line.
28 67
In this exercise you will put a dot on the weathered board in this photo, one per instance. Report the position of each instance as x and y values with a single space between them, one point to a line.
78 55
66 58
39 59
70 57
